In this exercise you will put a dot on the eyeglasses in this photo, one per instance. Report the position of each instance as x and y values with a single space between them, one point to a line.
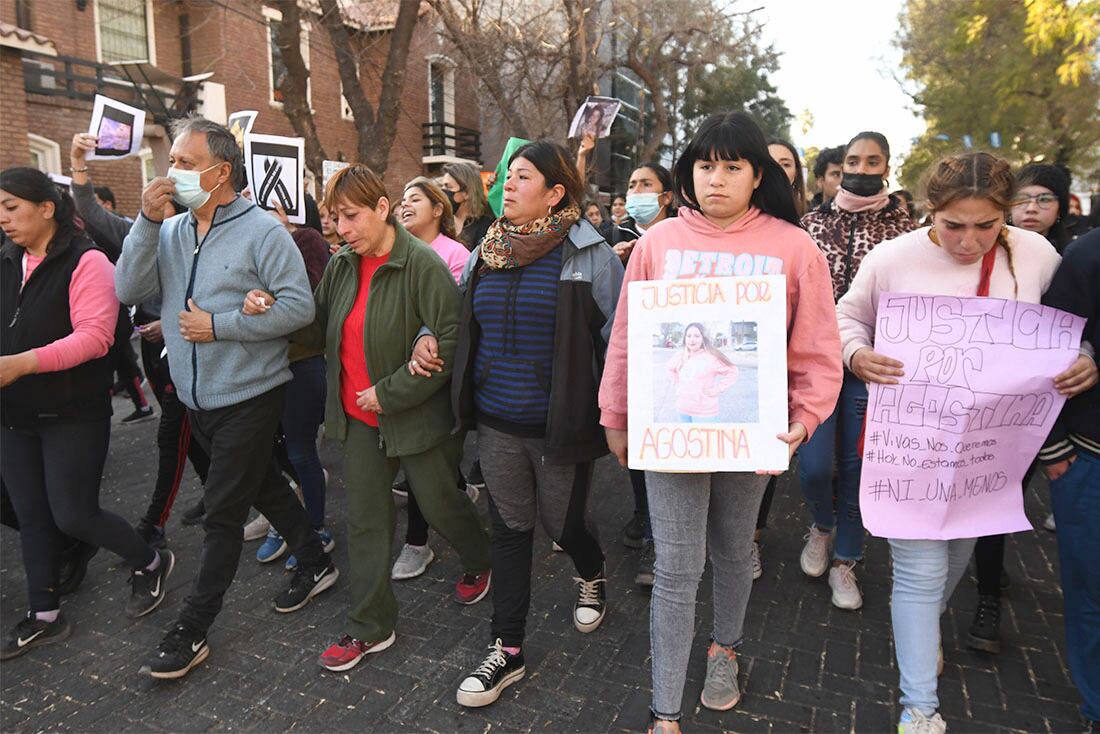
1043 201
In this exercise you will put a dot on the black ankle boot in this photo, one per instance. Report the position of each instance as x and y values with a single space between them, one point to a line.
985 630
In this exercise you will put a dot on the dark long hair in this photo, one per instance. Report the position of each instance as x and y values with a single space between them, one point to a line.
665 177
557 167
798 186
1055 179
735 136
32 185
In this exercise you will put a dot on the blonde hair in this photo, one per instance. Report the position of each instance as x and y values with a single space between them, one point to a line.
469 180
436 196
974 176
357 185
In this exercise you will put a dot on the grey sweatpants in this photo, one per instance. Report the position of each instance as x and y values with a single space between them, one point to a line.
689 514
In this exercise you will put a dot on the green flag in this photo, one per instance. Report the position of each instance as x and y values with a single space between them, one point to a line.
496 191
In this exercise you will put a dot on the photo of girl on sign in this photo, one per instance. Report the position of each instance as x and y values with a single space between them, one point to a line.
701 376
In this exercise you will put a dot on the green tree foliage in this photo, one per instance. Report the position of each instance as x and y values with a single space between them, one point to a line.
1026 70
738 84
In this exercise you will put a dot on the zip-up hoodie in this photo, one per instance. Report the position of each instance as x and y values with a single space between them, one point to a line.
691 246
244 249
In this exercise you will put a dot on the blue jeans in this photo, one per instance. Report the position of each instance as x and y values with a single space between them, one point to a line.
1076 499
685 418
926 573
694 515
815 470
303 412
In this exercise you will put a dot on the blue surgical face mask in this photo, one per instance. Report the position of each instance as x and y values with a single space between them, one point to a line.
189 191
643 208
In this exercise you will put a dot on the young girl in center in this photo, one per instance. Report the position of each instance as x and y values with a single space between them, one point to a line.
739 219
701 373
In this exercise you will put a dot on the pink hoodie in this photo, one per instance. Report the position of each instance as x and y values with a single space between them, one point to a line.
454 253
699 380
691 246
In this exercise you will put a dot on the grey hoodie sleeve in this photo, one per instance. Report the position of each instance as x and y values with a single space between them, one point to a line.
606 284
137 275
109 229
283 274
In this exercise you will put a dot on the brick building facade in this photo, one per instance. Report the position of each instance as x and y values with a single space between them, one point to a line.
233 41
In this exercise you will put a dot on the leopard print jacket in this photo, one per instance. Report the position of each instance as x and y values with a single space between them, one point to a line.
846 237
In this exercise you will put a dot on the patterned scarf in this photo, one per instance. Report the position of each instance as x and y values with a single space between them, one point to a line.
506 246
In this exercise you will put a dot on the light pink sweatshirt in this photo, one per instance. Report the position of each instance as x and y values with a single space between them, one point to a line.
93 311
691 246
699 380
453 252
913 263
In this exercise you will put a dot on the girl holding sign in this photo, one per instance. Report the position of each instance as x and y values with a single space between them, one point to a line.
737 202
968 250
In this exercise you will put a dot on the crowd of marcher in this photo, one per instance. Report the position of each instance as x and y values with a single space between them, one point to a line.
400 323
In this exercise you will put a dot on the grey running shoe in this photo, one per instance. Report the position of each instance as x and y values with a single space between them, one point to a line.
720 691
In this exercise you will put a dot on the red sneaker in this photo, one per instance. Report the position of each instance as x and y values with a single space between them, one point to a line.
472 589
347 653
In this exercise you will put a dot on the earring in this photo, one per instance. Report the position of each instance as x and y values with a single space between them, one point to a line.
933 236
549 211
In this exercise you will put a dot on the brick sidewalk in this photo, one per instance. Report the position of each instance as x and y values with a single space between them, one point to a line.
805 666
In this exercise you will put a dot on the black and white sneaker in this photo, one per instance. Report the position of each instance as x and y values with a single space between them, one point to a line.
74 566
149 587
591 604
496 672
475 478
140 415
306 584
33 632
180 651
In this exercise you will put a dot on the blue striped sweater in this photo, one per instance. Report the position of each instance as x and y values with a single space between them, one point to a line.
517 312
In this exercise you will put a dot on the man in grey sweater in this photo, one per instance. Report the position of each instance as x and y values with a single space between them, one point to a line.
230 370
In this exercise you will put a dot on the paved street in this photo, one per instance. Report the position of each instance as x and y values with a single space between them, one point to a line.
805 666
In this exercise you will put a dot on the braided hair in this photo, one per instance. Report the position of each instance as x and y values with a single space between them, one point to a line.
975 176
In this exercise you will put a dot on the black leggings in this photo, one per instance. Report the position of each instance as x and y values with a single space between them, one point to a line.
52 474
989 554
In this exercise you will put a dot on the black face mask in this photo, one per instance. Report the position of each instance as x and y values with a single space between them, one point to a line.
451 198
861 184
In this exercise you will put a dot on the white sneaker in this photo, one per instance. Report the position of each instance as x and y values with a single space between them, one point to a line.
815 554
412 561
757 566
257 528
914 722
846 593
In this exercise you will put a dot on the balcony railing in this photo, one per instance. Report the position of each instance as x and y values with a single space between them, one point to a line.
444 139
76 78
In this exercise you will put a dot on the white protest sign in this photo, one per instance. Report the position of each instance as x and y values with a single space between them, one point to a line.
707 375
118 128
274 168
329 169
240 124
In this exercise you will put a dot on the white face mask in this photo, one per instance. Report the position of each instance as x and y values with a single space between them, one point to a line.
189 191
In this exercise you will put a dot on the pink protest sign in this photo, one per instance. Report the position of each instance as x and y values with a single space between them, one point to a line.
945 450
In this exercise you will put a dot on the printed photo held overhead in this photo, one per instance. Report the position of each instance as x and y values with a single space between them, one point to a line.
595 116
945 450
119 129
707 374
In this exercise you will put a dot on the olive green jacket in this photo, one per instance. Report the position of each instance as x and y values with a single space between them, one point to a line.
411 290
